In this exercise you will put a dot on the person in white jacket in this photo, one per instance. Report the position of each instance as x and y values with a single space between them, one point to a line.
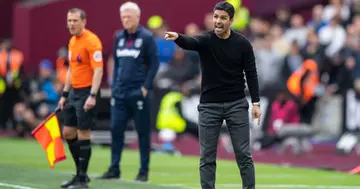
333 36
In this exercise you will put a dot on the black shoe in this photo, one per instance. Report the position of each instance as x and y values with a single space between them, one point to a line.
142 177
110 175
80 182
70 182
73 180
78 185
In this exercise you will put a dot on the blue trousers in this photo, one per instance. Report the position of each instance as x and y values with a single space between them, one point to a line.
136 107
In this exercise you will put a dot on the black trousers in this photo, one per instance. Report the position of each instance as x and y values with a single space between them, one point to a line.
137 107
211 116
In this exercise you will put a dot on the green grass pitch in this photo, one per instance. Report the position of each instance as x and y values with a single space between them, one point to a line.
23 165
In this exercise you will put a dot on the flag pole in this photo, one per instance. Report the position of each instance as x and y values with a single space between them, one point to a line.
57 110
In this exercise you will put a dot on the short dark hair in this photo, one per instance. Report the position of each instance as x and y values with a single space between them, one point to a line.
77 10
227 7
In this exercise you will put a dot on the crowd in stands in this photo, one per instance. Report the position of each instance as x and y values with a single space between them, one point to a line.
298 60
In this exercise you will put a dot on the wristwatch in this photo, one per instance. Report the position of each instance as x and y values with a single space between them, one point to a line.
256 104
93 95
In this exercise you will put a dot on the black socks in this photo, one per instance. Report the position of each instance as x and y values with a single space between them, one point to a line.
75 150
81 153
84 156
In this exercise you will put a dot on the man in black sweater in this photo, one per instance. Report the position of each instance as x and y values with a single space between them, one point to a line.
225 56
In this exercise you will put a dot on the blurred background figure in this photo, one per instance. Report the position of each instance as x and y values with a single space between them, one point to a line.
11 79
43 94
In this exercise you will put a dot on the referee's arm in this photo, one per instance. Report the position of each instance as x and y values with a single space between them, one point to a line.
66 90
251 72
67 85
97 65
98 73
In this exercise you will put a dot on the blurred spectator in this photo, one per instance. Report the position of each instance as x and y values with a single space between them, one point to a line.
267 59
352 108
279 45
346 75
303 84
192 29
208 21
356 23
336 8
176 114
333 36
314 50
257 28
166 48
284 111
62 64
355 7
44 94
316 20
11 78
349 67
48 91
292 61
283 16
297 31
285 126
181 68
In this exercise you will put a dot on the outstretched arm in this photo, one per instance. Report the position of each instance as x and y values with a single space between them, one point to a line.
187 42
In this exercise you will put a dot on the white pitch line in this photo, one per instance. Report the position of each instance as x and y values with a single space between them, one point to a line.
15 186
272 186
304 186
278 176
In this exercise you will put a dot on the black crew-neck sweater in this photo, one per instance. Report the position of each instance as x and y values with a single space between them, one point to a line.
223 64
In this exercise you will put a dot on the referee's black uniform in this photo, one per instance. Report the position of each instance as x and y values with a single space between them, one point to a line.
223 64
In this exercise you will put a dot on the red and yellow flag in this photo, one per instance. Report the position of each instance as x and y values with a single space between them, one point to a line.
48 135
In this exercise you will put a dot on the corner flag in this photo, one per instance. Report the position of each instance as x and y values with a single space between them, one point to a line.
48 135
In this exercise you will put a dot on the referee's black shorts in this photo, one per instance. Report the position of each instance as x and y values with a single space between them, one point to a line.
74 113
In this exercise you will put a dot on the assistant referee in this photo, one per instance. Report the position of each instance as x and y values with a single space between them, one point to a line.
79 94
225 56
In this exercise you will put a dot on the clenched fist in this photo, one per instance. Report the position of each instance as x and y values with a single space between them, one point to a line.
171 36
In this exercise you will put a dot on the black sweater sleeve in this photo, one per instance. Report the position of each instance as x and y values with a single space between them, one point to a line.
251 72
191 43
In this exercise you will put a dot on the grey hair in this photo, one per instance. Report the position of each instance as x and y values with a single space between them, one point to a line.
130 6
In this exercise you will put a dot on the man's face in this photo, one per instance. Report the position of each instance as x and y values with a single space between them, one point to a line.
282 14
130 19
297 21
75 23
221 21
317 12
45 73
192 29
208 21
6 46
276 31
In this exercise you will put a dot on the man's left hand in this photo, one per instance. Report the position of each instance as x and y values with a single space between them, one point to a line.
256 113
90 103
144 91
